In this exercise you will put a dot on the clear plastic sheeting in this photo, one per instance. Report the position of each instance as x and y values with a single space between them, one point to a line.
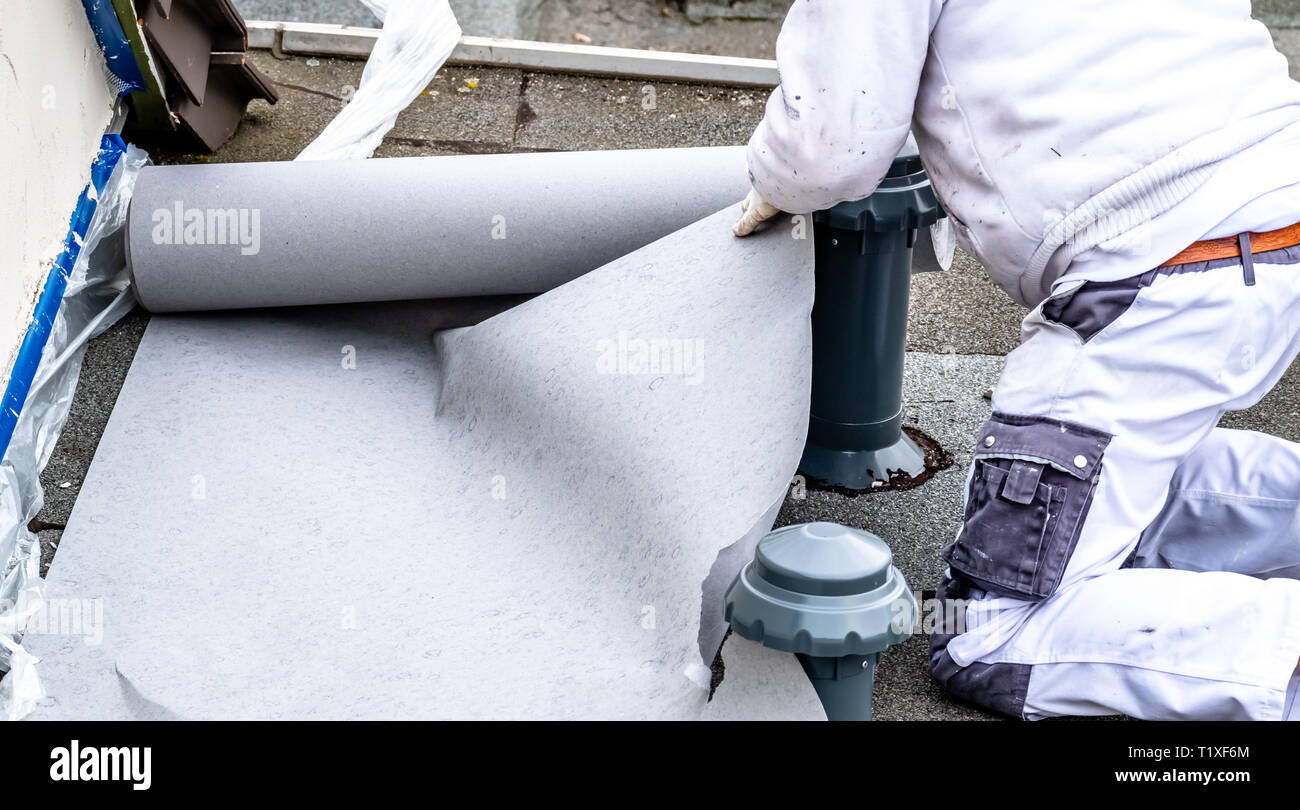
95 298
417 38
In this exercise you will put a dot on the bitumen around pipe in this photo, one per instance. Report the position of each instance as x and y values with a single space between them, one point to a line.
960 326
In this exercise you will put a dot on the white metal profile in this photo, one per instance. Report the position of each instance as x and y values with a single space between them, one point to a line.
348 41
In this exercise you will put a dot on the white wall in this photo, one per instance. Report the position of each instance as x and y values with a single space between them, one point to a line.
55 104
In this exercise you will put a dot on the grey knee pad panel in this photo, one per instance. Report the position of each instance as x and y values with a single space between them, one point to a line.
997 687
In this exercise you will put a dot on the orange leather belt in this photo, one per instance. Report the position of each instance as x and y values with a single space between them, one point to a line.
1230 247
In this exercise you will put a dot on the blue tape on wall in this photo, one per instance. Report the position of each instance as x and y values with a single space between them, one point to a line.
111 148
117 51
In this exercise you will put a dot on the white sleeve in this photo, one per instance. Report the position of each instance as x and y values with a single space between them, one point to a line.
849 76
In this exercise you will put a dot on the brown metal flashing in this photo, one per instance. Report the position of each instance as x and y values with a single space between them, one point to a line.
231 83
183 43
200 46
256 84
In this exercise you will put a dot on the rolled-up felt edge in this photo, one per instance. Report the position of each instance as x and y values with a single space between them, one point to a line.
242 235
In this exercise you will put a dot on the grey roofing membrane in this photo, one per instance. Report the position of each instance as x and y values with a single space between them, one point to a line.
552 510
960 326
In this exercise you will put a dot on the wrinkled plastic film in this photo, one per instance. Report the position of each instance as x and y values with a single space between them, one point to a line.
417 37
95 298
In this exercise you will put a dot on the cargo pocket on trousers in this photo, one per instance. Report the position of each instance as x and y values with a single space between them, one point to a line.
1030 491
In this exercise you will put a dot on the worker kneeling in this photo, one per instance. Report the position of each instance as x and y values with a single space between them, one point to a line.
1120 552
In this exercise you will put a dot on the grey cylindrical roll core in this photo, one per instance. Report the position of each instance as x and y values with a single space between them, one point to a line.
239 235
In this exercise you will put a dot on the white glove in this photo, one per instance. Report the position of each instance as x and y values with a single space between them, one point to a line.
754 209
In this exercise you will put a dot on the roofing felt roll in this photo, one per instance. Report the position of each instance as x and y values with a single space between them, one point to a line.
233 236
321 513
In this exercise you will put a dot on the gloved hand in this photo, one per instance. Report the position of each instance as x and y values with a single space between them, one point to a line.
754 209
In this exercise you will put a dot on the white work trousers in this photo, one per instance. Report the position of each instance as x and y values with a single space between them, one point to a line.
1122 554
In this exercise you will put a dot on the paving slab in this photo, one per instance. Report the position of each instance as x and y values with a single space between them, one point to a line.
339 12
1277 13
666 25
961 312
511 19
570 112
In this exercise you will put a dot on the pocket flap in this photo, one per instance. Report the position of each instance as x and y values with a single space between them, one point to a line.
1022 481
1068 447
